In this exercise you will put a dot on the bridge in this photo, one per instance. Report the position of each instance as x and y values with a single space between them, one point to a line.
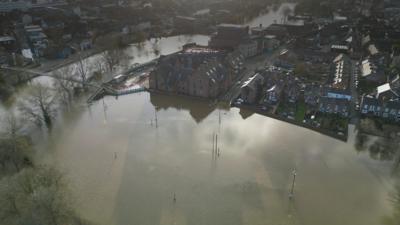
101 90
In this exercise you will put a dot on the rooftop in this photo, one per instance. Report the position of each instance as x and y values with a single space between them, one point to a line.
251 80
200 49
383 88
6 38
231 25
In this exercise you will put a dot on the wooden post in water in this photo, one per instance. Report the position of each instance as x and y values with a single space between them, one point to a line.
213 141
216 144
219 119
155 113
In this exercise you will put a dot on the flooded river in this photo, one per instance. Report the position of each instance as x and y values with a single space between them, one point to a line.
125 167
147 159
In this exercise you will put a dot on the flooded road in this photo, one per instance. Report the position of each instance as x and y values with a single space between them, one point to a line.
125 170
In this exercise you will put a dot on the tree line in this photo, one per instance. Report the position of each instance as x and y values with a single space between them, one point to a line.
38 194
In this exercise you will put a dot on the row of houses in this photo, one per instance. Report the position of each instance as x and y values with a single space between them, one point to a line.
270 86
371 106
384 102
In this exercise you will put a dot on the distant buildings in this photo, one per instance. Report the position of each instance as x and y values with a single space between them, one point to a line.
37 39
23 5
8 6
229 36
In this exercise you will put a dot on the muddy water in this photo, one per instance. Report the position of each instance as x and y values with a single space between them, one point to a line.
126 169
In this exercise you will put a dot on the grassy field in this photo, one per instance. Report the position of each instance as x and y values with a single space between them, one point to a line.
300 111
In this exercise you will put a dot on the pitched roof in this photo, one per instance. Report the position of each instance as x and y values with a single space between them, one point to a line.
383 88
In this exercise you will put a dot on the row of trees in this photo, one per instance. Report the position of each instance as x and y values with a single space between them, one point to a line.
42 102
31 194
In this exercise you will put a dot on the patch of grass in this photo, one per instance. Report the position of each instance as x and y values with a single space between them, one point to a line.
300 111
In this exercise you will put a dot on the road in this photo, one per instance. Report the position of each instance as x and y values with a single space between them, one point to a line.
354 73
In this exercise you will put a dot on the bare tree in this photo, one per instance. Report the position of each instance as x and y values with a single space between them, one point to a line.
65 85
112 58
82 69
156 49
286 11
15 149
39 106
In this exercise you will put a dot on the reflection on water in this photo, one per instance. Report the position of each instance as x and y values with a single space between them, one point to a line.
394 218
245 113
247 184
199 109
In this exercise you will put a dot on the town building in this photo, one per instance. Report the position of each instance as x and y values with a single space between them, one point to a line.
372 71
312 92
273 94
251 89
340 49
385 92
37 39
341 72
248 48
334 106
229 36
8 42
391 111
335 93
197 71
370 106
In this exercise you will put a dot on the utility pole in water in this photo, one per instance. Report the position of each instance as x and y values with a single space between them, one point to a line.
155 113
213 147
291 195
216 143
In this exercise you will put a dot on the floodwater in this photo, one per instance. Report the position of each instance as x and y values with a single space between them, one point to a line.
275 17
126 160
125 167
